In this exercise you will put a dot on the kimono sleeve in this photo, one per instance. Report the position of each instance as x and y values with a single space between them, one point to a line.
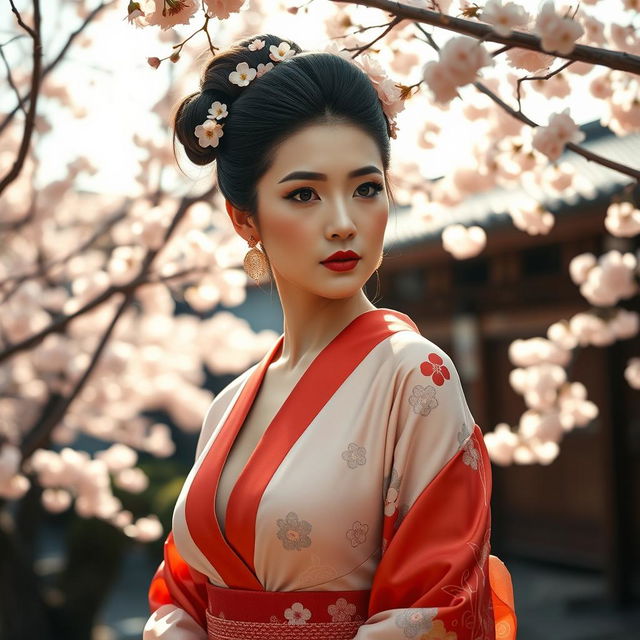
177 599
178 593
434 578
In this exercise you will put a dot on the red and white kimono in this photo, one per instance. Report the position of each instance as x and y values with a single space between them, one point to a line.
364 511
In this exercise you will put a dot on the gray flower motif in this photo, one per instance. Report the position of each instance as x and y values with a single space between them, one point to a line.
423 399
470 456
391 482
354 455
358 533
416 620
294 532
341 611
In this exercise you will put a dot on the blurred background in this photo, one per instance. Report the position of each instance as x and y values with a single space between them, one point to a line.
124 308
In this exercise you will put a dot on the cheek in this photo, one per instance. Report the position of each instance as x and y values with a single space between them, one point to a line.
379 220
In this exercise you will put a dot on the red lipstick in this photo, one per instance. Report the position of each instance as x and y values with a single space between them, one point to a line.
341 261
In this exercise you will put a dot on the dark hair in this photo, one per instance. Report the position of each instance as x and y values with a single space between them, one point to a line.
308 88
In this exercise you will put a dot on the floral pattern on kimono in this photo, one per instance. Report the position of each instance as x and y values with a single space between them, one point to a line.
398 444
435 563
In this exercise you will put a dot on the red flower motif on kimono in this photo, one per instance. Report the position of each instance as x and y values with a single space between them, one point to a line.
433 366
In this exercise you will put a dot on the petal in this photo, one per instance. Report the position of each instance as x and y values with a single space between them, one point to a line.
427 368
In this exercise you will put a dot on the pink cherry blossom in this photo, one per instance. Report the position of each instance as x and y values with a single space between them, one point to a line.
504 18
209 132
263 68
560 130
462 57
437 78
623 219
557 33
222 9
542 426
611 280
534 351
133 480
56 500
625 324
532 218
256 45
529 60
580 266
594 31
622 114
575 409
501 444
560 334
282 52
600 87
546 142
118 457
556 86
175 12
463 242
144 529
632 373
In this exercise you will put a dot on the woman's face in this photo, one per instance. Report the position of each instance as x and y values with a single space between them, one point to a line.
304 219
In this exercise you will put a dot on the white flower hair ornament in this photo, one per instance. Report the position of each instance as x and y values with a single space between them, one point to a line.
210 131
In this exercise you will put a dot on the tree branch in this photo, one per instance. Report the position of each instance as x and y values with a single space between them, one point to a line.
606 57
61 323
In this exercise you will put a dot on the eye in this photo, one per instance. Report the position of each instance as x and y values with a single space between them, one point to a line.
376 187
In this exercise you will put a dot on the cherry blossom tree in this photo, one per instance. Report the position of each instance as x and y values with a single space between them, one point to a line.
92 339
535 45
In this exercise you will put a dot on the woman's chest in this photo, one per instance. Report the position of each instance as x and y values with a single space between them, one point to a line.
264 408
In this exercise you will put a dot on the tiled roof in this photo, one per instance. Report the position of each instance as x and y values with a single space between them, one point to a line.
490 208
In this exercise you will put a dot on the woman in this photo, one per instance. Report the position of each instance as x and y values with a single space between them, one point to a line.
341 487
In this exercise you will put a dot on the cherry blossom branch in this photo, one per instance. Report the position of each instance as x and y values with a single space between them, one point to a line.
549 75
43 267
9 74
585 153
389 26
519 115
57 407
61 322
38 75
620 60
36 79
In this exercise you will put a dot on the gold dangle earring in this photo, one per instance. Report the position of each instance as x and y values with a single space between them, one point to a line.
379 262
255 262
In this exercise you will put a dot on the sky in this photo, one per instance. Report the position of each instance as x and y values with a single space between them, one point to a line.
113 81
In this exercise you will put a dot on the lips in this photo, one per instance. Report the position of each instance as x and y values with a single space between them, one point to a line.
340 256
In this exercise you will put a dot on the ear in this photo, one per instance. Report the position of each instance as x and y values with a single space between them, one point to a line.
242 222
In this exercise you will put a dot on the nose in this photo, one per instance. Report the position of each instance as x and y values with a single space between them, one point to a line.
340 224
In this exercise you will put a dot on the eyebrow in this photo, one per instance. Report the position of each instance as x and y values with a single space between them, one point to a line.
312 175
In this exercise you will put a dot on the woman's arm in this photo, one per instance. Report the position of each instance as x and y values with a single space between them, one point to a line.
436 578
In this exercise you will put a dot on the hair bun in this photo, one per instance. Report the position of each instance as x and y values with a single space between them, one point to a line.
215 85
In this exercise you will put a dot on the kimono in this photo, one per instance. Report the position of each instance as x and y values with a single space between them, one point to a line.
363 512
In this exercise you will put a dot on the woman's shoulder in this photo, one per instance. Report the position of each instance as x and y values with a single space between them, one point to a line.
411 350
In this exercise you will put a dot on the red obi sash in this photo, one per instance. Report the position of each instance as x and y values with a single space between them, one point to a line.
284 615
